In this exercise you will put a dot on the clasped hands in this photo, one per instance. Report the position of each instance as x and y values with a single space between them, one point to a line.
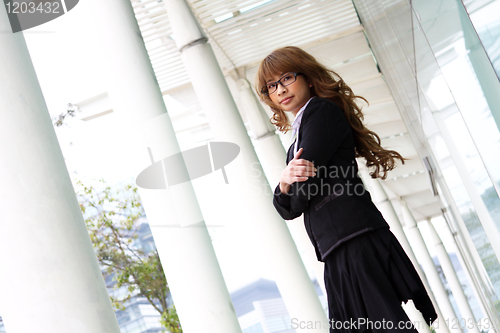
297 170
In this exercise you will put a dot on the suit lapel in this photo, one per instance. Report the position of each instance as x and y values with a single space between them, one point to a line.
289 155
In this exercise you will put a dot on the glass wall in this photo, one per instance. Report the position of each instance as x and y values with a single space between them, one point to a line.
448 92
485 17
487 27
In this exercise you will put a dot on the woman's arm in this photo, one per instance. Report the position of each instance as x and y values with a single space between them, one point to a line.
281 202
324 128
297 170
284 188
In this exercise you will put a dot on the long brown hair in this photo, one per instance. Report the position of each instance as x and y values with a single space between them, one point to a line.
326 84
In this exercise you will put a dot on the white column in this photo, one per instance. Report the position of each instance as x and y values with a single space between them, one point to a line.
50 280
273 159
437 285
452 278
384 205
195 280
211 88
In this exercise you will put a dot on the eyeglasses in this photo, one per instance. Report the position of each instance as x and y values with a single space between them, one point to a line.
285 80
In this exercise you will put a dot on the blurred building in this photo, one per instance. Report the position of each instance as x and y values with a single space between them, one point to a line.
139 315
260 308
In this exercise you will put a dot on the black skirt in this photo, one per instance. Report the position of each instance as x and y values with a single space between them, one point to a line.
366 280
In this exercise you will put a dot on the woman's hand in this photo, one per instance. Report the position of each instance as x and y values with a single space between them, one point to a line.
297 170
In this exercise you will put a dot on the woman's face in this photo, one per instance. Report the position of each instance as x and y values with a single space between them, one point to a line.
293 96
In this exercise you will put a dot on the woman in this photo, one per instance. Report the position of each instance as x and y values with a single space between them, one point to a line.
367 273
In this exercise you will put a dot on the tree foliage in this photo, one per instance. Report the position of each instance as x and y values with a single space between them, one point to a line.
113 221
71 110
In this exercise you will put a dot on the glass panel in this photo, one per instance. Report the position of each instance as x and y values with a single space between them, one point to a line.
438 73
463 116
468 75
485 18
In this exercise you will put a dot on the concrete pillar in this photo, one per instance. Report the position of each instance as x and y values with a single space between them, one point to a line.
384 205
50 280
437 285
273 157
452 278
195 280
211 88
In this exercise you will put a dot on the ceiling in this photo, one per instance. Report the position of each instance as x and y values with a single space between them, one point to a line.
243 32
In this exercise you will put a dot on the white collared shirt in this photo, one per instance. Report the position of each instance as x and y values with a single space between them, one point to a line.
296 125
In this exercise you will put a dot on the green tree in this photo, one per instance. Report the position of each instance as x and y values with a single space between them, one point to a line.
113 221
71 110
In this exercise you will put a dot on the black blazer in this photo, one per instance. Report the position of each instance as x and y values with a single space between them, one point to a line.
335 203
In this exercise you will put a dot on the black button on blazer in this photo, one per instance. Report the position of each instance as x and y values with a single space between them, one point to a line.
335 203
